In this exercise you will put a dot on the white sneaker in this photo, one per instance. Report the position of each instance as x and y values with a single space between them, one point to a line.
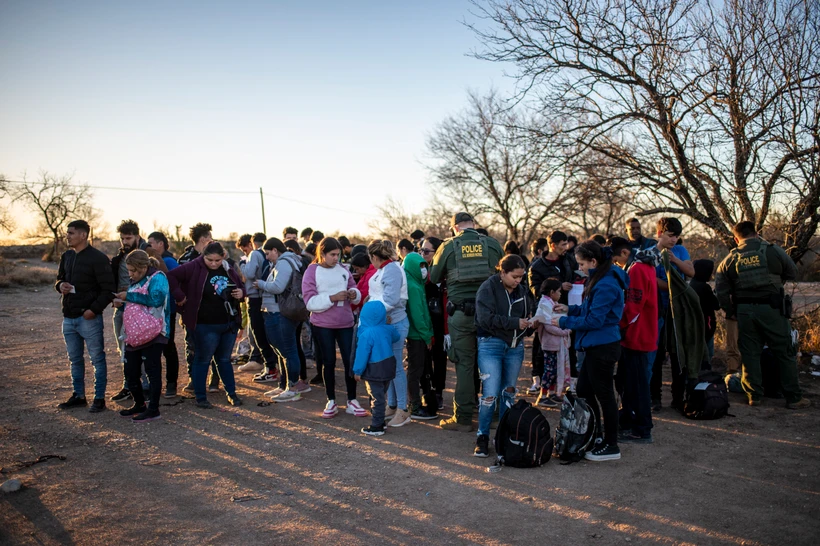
331 409
251 366
353 408
275 392
287 396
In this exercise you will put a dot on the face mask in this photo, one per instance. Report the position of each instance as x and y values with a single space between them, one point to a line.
424 273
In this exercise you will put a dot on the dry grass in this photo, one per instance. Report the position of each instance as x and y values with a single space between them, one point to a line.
21 274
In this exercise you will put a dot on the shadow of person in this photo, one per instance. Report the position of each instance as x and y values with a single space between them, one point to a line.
27 518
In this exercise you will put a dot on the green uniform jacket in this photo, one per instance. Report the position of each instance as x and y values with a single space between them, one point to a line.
687 339
421 327
781 269
444 262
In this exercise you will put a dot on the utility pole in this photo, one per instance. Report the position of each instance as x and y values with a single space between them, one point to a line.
262 200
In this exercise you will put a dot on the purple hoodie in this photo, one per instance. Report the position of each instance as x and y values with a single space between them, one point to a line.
188 281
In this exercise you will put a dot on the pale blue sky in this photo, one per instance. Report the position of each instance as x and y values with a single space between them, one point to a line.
326 102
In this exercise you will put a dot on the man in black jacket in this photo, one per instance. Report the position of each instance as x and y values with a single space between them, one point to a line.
85 282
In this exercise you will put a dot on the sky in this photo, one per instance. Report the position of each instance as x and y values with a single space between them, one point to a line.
326 105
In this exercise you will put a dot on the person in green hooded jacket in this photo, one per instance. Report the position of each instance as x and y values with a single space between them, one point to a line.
419 339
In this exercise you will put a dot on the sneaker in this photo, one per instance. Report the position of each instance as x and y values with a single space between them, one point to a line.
482 446
251 366
800 404
440 400
97 405
755 401
373 431
204 404
234 400
656 406
534 389
132 411
452 424
275 392
401 418
73 402
301 387
170 390
124 394
331 409
266 378
317 380
353 408
545 401
189 386
604 453
287 396
147 416
389 411
421 414
630 438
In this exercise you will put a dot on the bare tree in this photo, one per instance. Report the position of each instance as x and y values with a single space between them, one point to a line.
710 109
396 222
6 222
56 201
484 162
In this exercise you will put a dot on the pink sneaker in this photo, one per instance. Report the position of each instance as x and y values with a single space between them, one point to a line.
331 409
353 408
301 387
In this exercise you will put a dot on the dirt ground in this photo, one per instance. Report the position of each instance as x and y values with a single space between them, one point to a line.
282 475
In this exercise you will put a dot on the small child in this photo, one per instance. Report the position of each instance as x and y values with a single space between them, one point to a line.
375 362
555 344
708 303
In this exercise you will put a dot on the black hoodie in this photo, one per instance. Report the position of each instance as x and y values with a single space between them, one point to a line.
708 301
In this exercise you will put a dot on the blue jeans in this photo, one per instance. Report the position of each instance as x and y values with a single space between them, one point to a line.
498 368
213 341
397 392
79 331
281 334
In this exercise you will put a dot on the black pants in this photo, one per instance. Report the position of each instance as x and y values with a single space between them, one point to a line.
436 358
633 377
327 339
257 321
378 393
418 375
678 376
317 352
302 358
171 355
537 358
595 384
150 357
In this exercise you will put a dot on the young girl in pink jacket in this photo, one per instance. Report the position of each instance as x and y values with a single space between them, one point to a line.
555 345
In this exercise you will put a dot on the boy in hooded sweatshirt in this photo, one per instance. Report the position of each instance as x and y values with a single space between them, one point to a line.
419 339
374 361
708 303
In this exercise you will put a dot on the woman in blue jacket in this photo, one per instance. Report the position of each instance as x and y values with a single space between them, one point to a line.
598 340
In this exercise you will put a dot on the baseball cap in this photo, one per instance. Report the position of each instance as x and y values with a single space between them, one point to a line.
462 217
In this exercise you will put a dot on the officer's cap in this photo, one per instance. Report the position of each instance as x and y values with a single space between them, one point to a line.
461 217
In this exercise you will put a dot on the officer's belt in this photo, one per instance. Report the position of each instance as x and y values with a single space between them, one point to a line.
467 307
773 301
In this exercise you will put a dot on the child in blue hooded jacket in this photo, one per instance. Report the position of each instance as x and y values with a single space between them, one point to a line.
375 361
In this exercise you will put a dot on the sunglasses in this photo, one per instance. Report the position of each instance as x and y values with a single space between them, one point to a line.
426 251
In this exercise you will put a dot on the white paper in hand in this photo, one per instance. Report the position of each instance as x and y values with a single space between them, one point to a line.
576 294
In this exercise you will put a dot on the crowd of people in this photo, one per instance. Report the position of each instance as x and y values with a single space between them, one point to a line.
603 315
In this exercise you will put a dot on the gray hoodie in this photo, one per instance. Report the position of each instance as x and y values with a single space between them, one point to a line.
251 269
278 281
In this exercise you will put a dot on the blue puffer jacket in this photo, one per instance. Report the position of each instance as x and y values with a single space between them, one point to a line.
374 344
596 319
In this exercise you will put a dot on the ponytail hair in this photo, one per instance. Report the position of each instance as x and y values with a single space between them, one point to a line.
510 263
275 244
214 248
590 250
141 260
327 244
382 249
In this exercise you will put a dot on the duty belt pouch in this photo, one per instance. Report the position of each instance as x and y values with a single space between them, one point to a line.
469 308
451 308
788 306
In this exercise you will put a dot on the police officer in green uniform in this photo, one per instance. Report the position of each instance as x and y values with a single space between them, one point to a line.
749 285
465 261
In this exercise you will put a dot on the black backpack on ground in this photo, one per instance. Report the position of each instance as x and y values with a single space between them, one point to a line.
708 399
575 434
523 438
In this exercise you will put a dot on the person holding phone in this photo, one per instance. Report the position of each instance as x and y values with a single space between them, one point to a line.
208 292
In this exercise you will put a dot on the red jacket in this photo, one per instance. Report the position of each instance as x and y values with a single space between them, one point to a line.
640 318
364 285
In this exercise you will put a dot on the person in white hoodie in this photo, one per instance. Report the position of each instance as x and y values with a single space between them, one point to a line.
389 286
280 330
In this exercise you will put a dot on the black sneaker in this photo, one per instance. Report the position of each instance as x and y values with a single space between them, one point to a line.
132 411
482 446
630 438
170 390
204 404
440 400
373 431
656 406
73 402
97 405
124 394
147 416
422 414
317 380
604 453
234 400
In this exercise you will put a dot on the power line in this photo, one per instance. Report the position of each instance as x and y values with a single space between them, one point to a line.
208 192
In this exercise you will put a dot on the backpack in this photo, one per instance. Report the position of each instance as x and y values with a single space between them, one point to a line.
708 399
291 303
575 434
139 324
523 437
266 267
